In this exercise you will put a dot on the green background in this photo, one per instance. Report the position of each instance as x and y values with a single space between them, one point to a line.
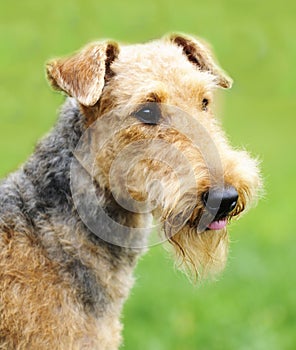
253 303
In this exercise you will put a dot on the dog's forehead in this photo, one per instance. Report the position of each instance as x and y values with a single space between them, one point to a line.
151 53
159 61
152 58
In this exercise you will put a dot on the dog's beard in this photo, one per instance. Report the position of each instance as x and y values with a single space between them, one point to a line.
200 254
198 251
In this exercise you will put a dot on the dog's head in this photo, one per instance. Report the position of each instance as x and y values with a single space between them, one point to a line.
156 145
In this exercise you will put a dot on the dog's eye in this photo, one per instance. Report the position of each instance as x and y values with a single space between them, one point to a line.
149 114
204 104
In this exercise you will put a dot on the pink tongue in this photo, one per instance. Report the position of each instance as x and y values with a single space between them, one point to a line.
218 225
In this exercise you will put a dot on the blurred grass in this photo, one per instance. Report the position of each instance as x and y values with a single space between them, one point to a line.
253 305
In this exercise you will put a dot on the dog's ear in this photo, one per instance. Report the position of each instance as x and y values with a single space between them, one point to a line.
83 75
200 55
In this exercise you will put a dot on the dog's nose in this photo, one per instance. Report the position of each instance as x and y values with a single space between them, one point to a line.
220 201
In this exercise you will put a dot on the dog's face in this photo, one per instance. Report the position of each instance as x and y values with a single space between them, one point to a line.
163 151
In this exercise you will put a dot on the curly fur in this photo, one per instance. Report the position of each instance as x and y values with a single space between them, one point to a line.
61 285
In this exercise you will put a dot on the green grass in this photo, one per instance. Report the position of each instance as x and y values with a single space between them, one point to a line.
253 305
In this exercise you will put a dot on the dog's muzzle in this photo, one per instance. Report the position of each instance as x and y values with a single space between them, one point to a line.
220 202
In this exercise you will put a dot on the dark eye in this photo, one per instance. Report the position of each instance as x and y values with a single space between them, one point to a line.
149 113
204 104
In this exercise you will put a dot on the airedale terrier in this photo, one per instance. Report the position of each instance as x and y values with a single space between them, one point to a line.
136 140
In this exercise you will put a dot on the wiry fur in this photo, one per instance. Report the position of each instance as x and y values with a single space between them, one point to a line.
61 285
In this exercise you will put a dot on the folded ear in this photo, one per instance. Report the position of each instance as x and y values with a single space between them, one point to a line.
83 75
200 55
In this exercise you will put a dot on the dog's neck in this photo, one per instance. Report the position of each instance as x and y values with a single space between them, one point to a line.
53 170
49 167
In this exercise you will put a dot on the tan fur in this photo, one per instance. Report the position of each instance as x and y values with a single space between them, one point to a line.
175 83
40 304
82 75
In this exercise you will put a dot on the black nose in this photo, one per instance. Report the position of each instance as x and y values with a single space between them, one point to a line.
220 201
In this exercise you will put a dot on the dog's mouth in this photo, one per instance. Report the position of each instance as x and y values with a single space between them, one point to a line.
217 224
203 218
205 222
220 205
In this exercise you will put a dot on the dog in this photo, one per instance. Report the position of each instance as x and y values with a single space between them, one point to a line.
136 148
